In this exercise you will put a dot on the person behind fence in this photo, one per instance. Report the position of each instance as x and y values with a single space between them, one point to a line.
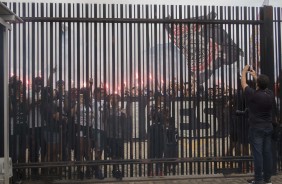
116 118
171 148
50 125
71 101
36 141
83 127
98 135
19 123
239 128
156 141
50 116
62 109
261 106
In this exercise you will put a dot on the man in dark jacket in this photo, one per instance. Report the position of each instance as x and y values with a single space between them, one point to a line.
261 106
114 127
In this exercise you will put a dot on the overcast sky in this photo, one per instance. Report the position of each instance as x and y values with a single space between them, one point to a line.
176 2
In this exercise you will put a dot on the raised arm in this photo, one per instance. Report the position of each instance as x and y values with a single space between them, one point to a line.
51 73
244 78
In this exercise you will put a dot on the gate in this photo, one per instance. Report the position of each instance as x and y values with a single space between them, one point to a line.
135 90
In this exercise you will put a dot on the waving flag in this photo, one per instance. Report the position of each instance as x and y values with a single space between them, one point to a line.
205 47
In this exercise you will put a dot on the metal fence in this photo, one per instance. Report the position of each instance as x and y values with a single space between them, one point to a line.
147 90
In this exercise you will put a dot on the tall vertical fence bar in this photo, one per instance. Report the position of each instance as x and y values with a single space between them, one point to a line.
104 90
277 17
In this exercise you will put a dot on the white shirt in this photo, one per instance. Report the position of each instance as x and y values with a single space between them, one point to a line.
37 110
98 121
83 116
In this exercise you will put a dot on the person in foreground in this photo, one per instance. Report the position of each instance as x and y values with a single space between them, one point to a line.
261 107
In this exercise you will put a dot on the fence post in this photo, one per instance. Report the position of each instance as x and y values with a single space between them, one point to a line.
267 47
2 29
4 109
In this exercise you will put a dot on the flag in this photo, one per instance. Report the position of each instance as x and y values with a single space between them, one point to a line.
205 47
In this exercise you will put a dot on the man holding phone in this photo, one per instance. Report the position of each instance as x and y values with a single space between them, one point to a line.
261 106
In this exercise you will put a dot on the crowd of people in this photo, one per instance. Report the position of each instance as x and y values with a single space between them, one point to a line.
50 124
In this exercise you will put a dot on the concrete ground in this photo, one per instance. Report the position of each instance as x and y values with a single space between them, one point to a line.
210 179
